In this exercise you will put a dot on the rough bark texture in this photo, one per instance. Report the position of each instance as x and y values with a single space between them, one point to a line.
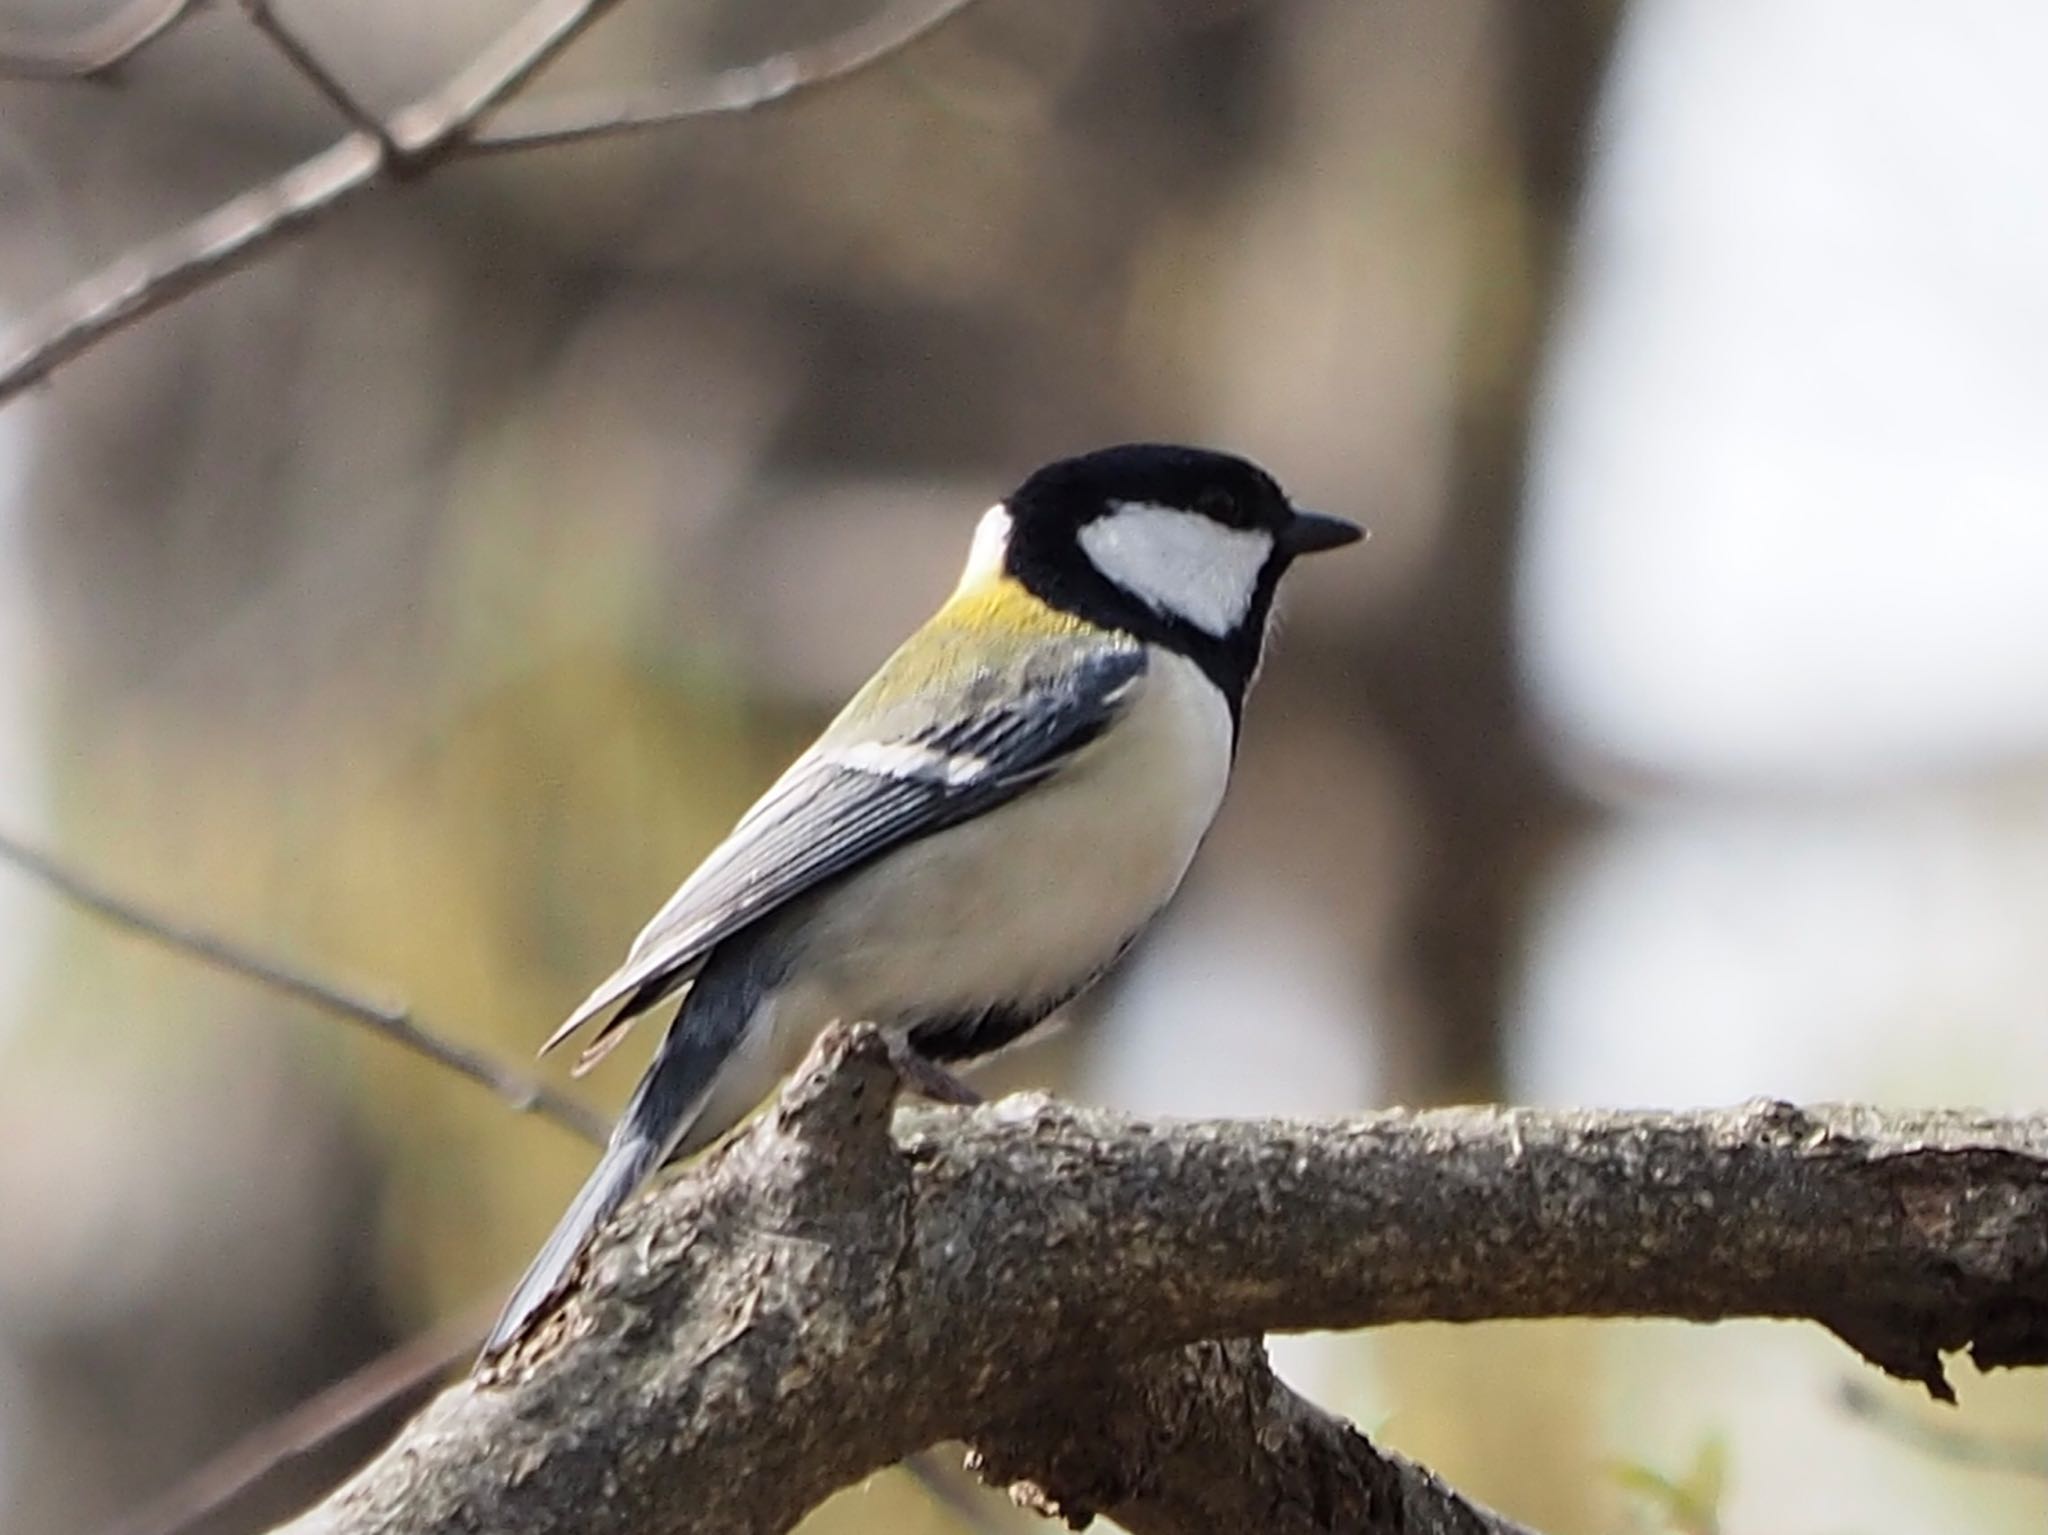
822 1297
1207 1438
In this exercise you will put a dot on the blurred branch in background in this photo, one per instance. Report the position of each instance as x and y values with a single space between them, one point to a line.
312 1425
1442 674
1982 1452
96 51
516 1090
437 128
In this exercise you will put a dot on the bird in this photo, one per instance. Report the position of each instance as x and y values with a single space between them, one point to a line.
985 829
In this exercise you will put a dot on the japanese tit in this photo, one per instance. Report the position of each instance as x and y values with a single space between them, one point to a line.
986 827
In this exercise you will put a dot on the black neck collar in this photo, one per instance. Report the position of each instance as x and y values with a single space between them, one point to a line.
1062 577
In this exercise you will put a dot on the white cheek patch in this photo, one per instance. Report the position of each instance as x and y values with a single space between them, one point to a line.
1180 564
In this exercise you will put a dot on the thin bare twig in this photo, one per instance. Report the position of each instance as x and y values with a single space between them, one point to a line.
438 124
218 242
161 271
393 1023
439 127
573 119
263 16
96 51
351 1400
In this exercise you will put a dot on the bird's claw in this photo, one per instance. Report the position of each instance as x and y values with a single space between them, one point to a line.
928 1079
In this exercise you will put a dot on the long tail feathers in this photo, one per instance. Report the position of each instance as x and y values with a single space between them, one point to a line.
626 1163
661 1112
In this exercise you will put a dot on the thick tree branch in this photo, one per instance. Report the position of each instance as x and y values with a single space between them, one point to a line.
417 139
819 1298
1208 1438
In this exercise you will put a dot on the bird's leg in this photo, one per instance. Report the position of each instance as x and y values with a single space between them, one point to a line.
926 1077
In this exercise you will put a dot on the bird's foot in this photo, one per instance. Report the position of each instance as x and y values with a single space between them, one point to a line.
927 1078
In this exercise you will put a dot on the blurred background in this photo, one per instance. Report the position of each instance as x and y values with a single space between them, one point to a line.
421 602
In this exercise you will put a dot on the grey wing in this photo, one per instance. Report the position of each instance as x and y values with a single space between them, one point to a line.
852 798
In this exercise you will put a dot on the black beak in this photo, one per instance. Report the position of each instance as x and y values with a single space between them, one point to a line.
1312 533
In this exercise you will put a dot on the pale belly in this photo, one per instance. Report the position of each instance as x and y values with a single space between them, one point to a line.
1032 900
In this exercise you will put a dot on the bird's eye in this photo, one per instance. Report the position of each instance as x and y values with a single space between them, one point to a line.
1216 503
